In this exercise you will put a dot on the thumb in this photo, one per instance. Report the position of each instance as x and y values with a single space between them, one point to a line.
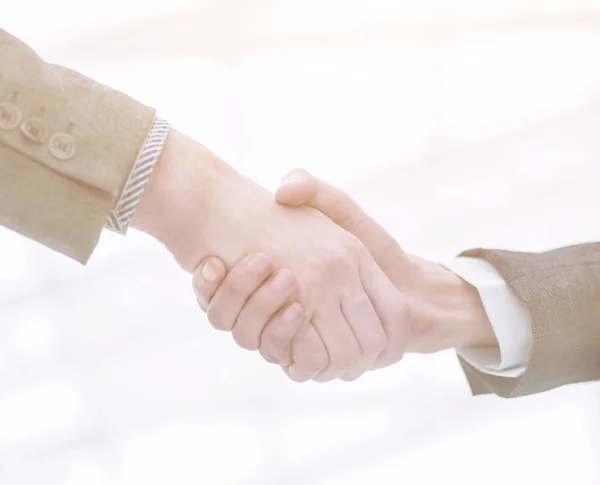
207 278
298 187
301 188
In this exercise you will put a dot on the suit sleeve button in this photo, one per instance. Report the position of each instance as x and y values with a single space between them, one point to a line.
35 130
62 146
10 116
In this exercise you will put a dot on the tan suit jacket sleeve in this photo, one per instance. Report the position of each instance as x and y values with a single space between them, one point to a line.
67 146
562 291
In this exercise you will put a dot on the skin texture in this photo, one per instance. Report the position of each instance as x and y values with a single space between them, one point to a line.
352 317
442 310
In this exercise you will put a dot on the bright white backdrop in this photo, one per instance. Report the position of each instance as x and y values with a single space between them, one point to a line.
457 123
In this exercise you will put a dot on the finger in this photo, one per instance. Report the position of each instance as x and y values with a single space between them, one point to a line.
301 188
239 284
297 188
368 331
267 300
309 355
278 334
392 308
206 280
340 343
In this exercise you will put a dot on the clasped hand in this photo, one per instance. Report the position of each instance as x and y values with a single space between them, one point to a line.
323 308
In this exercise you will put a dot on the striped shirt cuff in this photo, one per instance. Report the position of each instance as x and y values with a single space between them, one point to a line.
121 216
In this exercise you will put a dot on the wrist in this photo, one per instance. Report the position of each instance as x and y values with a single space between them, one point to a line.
176 206
449 309
196 205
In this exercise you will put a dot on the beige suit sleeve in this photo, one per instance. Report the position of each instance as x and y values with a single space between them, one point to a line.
67 147
561 289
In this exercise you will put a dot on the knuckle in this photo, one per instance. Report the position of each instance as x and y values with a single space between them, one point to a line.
303 371
346 360
308 351
241 282
350 377
336 263
375 341
279 354
234 287
273 342
299 377
245 339
389 358
267 300
217 318
284 282
319 266
323 378
274 356
316 363
345 258
313 361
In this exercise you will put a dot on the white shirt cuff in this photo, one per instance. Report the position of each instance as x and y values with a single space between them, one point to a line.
509 316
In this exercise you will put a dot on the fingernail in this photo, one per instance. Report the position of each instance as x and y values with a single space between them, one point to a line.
289 180
212 270
283 281
292 314
258 263
292 178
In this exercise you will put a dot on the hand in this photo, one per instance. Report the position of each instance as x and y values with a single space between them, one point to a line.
256 304
341 343
446 312
251 301
254 300
197 206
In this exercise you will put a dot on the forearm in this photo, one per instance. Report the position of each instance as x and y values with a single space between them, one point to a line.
182 181
561 289
449 310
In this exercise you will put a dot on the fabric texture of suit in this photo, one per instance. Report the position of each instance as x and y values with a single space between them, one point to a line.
562 291
67 148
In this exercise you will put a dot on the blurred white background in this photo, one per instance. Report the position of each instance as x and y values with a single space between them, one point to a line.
458 123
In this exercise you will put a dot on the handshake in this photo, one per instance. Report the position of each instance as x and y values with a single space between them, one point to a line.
308 279
370 302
